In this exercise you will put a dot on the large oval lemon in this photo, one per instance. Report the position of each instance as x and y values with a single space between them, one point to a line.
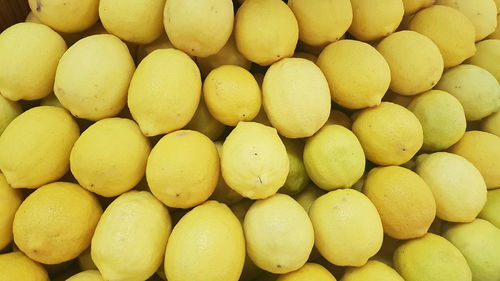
207 244
297 178
130 239
183 169
310 271
55 223
35 147
27 73
279 234
374 19
413 6
164 92
10 199
17 266
254 161
487 53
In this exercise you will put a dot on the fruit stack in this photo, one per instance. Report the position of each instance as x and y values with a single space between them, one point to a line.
219 140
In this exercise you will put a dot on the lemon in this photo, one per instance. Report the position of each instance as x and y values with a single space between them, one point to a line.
491 210
449 29
374 19
344 62
310 271
496 33
482 149
482 14
338 117
477 90
479 242
352 220
164 92
199 28
308 195
130 239
223 193
17 266
254 160
458 187
403 200
265 31
487 52
321 22
413 6
85 261
87 275
228 55
133 21
232 94
35 147
297 177
10 200
442 118
183 169
431 258
415 62
68 17
205 123
9 110
110 156
334 158
278 247
389 133
372 270
291 112
207 244
56 222
27 73
161 42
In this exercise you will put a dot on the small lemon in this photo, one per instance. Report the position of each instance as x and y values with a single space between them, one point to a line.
374 19
10 199
9 110
17 266
205 123
297 177
487 53
413 6
310 271
372 270
308 195
87 275
223 193
491 210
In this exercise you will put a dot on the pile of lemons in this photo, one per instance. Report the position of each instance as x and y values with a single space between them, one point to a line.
219 140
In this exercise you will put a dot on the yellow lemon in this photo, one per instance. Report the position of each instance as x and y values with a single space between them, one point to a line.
449 29
132 20
321 22
205 123
457 185
199 27
164 92
9 110
491 210
487 53
483 150
68 17
87 275
352 220
389 133
278 247
183 169
477 90
431 258
413 6
207 244
291 112
344 62
130 239
372 270
310 271
442 118
223 193
110 156
415 62
334 158
56 222
254 160
161 43
308 195
17 266
265 31
10 199
374 19
232 94
403 200
297 177
28 73
35 147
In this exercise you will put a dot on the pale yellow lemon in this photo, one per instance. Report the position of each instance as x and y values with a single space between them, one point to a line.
223 193
265 31
321 22
207 244
27 72
254 160
334 158
310 271
415 61
164 92
35 147
232 94
374 19
487 53
349 217
279 234
55 223
458 187
344 62
17 266
183 169
87 275
413 6
491 210
297 177
9 110
372 270
205 123
199 27
10 199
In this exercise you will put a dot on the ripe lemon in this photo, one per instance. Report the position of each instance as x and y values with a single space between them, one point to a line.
297 177
491 210
9 110
372 270
87 275
487 53
223 193
374 19
413 6
205 123
310 271
10 199
308 195
17 266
